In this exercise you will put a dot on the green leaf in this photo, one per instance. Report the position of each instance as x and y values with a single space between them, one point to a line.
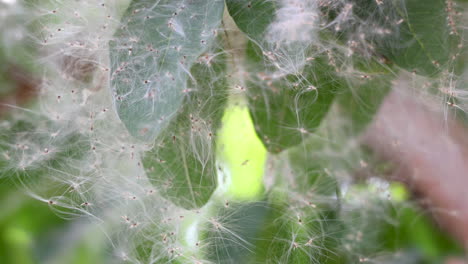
424 39
292 84
359 103
287 109
252 17
233 231
302 222
182 163
296 233
414 34
151 56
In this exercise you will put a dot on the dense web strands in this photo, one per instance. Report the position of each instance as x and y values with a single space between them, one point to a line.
294 21
193 131
293 31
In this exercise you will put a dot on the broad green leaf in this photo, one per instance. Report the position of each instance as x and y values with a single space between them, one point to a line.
296 233
302 222
182 162
289 90
413 34
151 56
234 230
252 17
286 109
359 103
424 40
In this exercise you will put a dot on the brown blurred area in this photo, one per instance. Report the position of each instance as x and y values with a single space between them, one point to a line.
430 151
454 261
25 88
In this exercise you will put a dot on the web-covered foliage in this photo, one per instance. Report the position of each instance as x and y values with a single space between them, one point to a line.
127 124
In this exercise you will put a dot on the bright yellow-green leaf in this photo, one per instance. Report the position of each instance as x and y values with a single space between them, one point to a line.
242 154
